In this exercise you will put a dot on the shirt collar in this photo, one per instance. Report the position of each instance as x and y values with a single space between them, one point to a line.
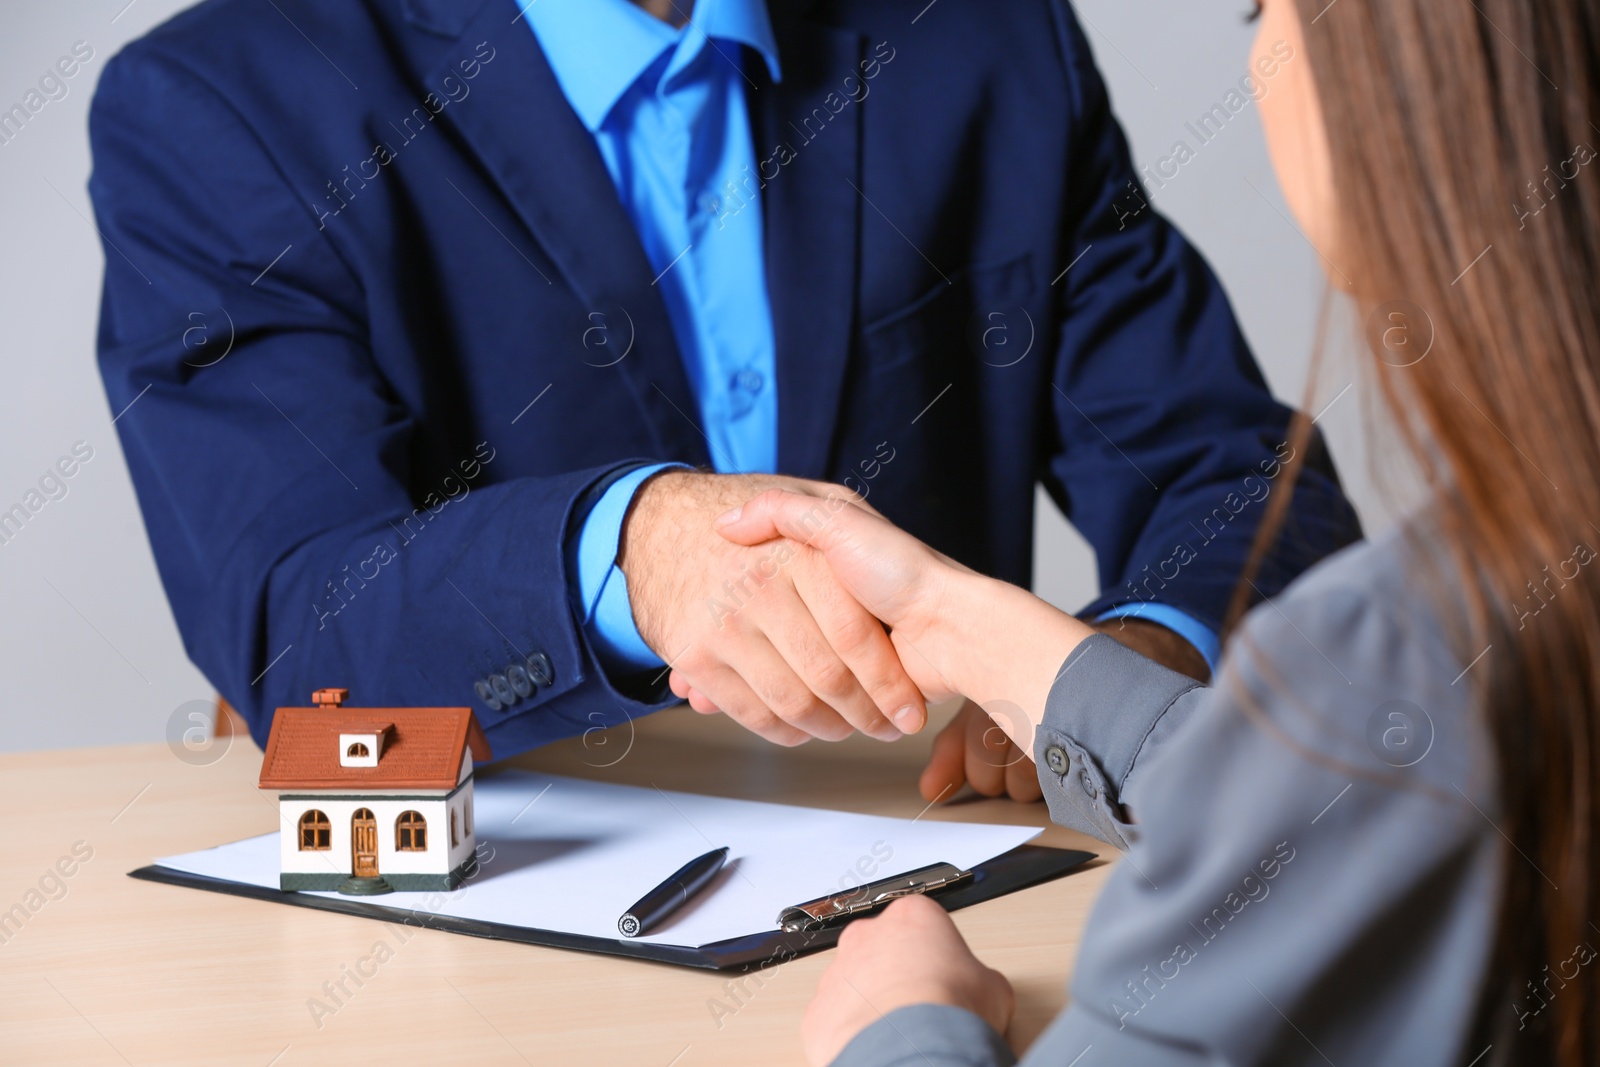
599 48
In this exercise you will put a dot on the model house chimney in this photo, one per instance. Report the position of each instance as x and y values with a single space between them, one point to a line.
329 698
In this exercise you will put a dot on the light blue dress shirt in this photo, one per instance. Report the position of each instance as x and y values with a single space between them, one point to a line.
1180 622
668 113
667 110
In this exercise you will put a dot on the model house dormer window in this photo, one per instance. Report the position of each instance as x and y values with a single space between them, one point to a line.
361 747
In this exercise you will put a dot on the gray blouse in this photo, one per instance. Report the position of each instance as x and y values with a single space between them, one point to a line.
1314 873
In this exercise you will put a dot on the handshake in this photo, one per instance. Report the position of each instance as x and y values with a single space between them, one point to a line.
794 608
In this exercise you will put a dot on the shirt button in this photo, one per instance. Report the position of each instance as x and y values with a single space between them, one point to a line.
1055 757
750 381
1088 784
709 203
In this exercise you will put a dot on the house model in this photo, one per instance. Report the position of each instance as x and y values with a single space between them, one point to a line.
373 800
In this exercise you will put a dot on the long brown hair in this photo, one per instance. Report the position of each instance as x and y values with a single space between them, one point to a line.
1462 134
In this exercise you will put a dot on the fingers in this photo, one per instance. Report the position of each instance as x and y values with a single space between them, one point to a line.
839 491
1022 778
986 753
875 693
810 655
911 953
790 695
721 688
815 521
973 750
697 700
807 644
925 913
946 771
825 490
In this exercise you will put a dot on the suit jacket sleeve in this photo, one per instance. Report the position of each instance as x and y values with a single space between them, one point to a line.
1166 440
273 463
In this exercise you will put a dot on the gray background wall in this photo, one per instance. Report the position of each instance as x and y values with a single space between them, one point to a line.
88 650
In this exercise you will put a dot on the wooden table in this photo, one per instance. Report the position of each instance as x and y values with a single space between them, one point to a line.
109 970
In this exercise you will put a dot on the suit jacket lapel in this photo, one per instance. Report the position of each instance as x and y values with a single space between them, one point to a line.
812 209
546 164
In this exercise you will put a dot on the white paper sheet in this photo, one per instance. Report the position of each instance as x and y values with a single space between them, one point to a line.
571 855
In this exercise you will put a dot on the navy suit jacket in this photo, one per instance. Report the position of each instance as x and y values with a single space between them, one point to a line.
377 325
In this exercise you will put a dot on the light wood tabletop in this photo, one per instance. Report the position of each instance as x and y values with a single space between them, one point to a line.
106 969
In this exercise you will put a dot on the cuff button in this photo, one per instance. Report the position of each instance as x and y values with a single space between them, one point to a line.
1055 757
539 668
486 694
501 686
1088 784
521 682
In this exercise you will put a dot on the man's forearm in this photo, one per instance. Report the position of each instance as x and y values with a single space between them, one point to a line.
1158 643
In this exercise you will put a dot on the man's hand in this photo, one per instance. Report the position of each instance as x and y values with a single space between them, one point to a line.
764 633
911 954
973 750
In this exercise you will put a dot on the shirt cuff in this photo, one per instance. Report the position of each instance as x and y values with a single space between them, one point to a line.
1202 637
602 588
1107 703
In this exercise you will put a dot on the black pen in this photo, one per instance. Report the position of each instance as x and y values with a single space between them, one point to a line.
672 894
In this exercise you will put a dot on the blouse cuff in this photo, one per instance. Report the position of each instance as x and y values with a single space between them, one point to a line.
1104 707
927 1035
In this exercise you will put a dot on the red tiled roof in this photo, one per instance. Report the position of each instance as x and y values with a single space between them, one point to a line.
423 749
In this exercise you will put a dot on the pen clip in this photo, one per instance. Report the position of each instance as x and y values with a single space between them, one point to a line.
870 897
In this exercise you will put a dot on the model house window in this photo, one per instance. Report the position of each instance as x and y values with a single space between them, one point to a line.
362 748
411 832
314 831
454 841
466 816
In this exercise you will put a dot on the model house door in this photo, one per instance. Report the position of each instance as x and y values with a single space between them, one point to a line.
364 844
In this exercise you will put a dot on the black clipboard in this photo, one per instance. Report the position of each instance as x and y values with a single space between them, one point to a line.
1023 866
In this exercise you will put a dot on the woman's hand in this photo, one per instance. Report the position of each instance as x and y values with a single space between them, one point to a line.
893 575
910 954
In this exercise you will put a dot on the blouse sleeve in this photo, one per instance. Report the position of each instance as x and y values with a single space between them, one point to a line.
1314 872
1108 709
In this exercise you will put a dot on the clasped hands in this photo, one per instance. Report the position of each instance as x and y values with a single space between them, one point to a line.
794 608
798 610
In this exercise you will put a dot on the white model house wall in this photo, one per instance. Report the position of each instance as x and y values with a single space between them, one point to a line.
436 807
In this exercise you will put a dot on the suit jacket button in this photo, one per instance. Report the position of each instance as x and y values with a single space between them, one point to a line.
540 670
1088 784
486 694
1055 757
502 689
520 681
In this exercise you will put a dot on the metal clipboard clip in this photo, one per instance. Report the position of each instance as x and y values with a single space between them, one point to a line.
870 897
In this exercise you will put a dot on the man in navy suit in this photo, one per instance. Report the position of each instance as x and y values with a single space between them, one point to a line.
439 331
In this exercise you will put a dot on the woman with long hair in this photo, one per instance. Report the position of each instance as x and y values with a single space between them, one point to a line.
1373 838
